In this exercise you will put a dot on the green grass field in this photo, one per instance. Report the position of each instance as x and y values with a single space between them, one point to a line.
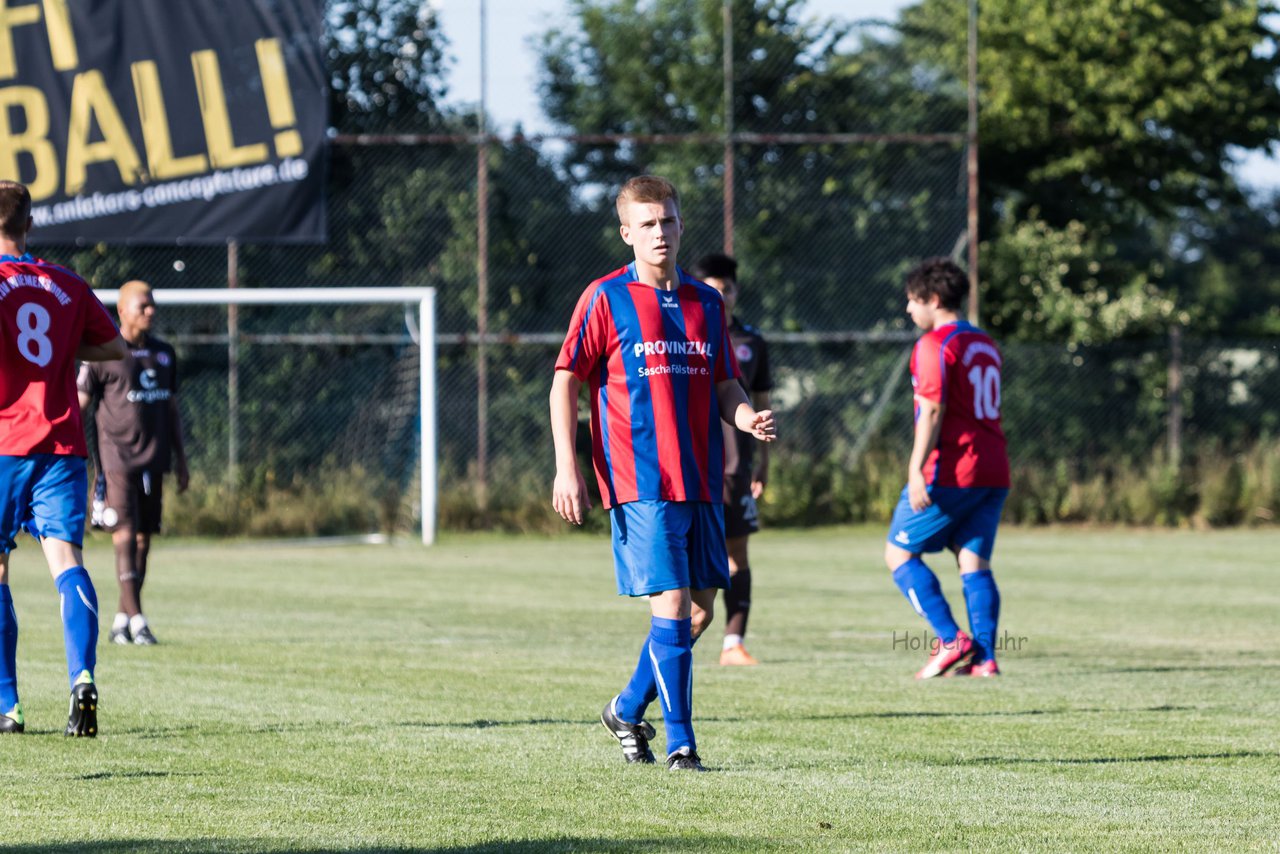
447 699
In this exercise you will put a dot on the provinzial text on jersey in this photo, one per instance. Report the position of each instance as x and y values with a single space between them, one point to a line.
44 283
672 348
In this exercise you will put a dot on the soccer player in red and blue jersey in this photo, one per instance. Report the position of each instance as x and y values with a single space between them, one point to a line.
958 476
49 317
653 346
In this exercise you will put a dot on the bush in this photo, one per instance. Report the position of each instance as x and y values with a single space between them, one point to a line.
1212 488
345 502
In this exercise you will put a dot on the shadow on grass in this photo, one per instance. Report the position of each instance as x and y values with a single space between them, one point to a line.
1009 713
187 730
1189 668
128 775
1106 760
234 846
852 716
489 724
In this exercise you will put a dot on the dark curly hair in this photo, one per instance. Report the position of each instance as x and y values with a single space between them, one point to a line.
940 276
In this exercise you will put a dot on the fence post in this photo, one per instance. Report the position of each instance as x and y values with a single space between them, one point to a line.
233 369
1174 392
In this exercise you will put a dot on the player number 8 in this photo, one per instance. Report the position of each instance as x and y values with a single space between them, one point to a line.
986 391
33 342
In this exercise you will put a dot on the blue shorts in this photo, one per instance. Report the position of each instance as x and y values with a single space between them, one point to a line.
667 545
959 518
44 493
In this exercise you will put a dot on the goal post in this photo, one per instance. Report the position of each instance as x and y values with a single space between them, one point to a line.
423 299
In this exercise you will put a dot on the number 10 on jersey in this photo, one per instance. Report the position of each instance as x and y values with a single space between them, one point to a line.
986 391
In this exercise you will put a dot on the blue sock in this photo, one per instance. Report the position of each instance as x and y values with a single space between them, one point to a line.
79 621
982 598
918 583
8 651
642 689
671 654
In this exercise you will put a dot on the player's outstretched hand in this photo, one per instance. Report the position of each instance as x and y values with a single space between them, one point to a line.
761 425
569 497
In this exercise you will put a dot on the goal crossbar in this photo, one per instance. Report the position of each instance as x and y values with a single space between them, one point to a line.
424 298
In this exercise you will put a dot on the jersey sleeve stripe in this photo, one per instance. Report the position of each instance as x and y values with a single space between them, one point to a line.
583 325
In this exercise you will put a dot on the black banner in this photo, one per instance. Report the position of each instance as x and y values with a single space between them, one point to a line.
165 121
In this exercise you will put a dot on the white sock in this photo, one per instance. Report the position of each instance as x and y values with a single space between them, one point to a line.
730 641
121 620
137 623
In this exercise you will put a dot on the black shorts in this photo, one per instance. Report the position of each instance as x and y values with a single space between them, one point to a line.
132 500
740 515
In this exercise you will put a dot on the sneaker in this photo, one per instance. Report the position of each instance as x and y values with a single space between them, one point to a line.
946 656
986 669
121 636
684 759
143 637
13 721
82 722
634 738
737 656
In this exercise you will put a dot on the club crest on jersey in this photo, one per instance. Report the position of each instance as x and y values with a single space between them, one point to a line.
743 352
162 359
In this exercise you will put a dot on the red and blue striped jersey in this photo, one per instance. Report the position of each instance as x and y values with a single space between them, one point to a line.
46 313
652 359
959 366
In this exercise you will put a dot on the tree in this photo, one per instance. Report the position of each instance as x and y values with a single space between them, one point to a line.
386 61
1107 121
827 227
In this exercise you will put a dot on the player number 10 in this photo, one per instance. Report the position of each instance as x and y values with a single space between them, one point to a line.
986 391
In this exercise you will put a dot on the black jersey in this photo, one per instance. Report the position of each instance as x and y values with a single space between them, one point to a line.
134 415
753 362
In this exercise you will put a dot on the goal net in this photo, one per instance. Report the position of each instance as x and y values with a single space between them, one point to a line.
307 411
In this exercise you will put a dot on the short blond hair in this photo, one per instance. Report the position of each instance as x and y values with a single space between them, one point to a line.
132 288
646 189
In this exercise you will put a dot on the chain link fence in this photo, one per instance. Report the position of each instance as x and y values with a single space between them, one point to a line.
826 193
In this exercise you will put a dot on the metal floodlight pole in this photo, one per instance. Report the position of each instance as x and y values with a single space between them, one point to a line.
729 179
482 277
973 162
